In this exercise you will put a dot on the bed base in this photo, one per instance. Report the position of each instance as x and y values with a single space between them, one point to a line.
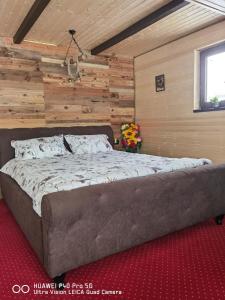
83 225
219 219
60 282
118 215
99 220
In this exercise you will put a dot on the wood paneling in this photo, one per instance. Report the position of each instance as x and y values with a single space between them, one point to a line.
12 13
95 21
215 5
141 24
29 20
34 89
182 22
169 126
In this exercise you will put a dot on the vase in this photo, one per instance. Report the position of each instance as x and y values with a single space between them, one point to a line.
131 150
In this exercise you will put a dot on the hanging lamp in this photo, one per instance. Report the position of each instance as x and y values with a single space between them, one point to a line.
72 64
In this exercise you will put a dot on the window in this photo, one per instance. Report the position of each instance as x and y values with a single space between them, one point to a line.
212 78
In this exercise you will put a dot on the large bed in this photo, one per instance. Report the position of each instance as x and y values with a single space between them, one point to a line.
80 225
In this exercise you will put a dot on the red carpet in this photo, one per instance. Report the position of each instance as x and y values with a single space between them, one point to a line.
186 265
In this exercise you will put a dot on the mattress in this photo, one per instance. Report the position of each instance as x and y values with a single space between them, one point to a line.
39 177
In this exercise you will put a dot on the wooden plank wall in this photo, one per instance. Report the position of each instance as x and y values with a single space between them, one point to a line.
35 92
169 126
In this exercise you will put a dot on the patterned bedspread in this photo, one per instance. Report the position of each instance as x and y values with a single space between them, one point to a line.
38 177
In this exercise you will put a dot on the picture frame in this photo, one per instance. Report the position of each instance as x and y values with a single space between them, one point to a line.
160 83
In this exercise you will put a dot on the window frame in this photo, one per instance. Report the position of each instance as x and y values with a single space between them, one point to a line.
204 54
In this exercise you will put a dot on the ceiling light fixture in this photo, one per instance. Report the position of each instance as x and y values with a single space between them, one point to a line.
72 64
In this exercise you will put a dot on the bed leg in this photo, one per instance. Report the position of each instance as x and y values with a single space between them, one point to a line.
219 220
60 281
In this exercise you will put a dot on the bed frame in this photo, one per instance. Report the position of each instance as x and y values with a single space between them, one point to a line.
86 224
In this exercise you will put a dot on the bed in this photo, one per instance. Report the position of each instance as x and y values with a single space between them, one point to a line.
85 224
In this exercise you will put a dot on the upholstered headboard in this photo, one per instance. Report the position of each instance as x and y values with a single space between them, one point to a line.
7 135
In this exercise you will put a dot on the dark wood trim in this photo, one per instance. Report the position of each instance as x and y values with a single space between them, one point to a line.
150 19
208 109
33 14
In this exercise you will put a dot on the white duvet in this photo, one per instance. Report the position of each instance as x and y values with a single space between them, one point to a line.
38 177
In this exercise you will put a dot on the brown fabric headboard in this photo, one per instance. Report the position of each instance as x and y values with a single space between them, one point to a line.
7 135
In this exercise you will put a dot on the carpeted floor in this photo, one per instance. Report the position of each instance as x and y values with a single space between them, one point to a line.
189 264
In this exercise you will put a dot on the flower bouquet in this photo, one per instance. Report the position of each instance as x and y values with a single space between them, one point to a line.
130 137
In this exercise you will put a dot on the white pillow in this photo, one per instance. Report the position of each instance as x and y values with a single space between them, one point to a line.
82 144
39 147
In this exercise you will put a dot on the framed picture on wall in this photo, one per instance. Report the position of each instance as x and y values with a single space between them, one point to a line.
160 83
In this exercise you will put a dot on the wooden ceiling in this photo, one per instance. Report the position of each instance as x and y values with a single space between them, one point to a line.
95 21
182 22
99 20
12 13
218 5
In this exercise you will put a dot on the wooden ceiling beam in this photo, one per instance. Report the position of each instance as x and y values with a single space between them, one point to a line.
33 14
150 19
